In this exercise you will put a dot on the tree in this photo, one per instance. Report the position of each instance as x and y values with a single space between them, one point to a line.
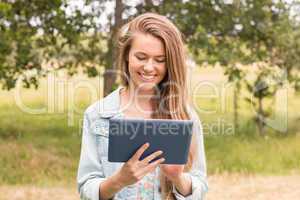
229 33
34 32
242 33
262 81
110 75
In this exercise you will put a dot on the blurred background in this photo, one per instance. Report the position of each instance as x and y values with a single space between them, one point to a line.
57 57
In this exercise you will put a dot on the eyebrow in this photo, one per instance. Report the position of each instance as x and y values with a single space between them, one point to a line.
140 52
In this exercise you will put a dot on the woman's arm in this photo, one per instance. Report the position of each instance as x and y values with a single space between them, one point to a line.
110 187
92 183
183 184
194 181
90 171
193 184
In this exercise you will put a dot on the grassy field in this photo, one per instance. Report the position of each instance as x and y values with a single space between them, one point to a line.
43 149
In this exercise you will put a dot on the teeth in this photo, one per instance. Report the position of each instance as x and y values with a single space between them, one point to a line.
147 76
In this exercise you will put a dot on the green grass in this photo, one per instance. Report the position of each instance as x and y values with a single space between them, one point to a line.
273 155
37 149
44 149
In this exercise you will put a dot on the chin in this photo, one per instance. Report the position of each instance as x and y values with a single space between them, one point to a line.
146 87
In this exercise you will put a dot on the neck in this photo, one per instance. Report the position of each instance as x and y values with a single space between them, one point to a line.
141 96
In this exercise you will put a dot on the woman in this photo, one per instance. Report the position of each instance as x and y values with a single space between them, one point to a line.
152 58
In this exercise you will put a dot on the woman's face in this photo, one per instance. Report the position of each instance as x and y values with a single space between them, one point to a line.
146 61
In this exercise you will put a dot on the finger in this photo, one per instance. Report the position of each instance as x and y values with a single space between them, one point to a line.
140 152
152 166
151 157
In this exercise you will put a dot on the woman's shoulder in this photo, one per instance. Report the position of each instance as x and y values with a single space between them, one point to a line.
105 107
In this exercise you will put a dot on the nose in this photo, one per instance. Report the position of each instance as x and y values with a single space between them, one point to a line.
148 66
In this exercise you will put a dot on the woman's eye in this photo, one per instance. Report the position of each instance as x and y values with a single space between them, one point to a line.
160 61
140 58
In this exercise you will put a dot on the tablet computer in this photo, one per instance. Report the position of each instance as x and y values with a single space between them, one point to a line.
126 136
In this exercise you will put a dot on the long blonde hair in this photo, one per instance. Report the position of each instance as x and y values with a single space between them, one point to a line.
172 102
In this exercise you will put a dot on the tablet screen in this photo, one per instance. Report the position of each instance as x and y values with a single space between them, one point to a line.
126 136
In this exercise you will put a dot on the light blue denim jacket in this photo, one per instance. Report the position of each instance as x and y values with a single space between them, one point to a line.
94 167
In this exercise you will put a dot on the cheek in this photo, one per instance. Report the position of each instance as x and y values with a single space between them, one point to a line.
132 66
163 71
134 62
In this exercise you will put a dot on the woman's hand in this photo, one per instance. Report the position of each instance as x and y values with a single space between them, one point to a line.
172 172
134 169
175 174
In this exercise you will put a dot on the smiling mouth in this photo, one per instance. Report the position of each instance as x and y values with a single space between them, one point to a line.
146 77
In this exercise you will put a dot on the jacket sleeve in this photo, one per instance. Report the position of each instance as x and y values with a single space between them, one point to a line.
90 170
198 174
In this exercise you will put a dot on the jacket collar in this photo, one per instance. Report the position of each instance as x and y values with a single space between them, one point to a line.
110 106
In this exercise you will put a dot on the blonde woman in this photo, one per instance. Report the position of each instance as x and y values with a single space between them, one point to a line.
153 63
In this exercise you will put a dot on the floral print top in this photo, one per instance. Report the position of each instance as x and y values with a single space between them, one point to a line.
146 187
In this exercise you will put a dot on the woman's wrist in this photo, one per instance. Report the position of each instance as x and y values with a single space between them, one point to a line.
110 187
179 179
117 180
183 184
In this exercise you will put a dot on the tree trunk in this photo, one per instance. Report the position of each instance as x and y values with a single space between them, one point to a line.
149 2
260 119
111 71
235 107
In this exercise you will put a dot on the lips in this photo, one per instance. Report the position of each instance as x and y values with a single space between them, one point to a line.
147 77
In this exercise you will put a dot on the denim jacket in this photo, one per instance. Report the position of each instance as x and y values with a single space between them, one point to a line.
94 167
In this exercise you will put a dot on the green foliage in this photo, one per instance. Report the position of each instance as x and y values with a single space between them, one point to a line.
241 32
234 73
33 33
